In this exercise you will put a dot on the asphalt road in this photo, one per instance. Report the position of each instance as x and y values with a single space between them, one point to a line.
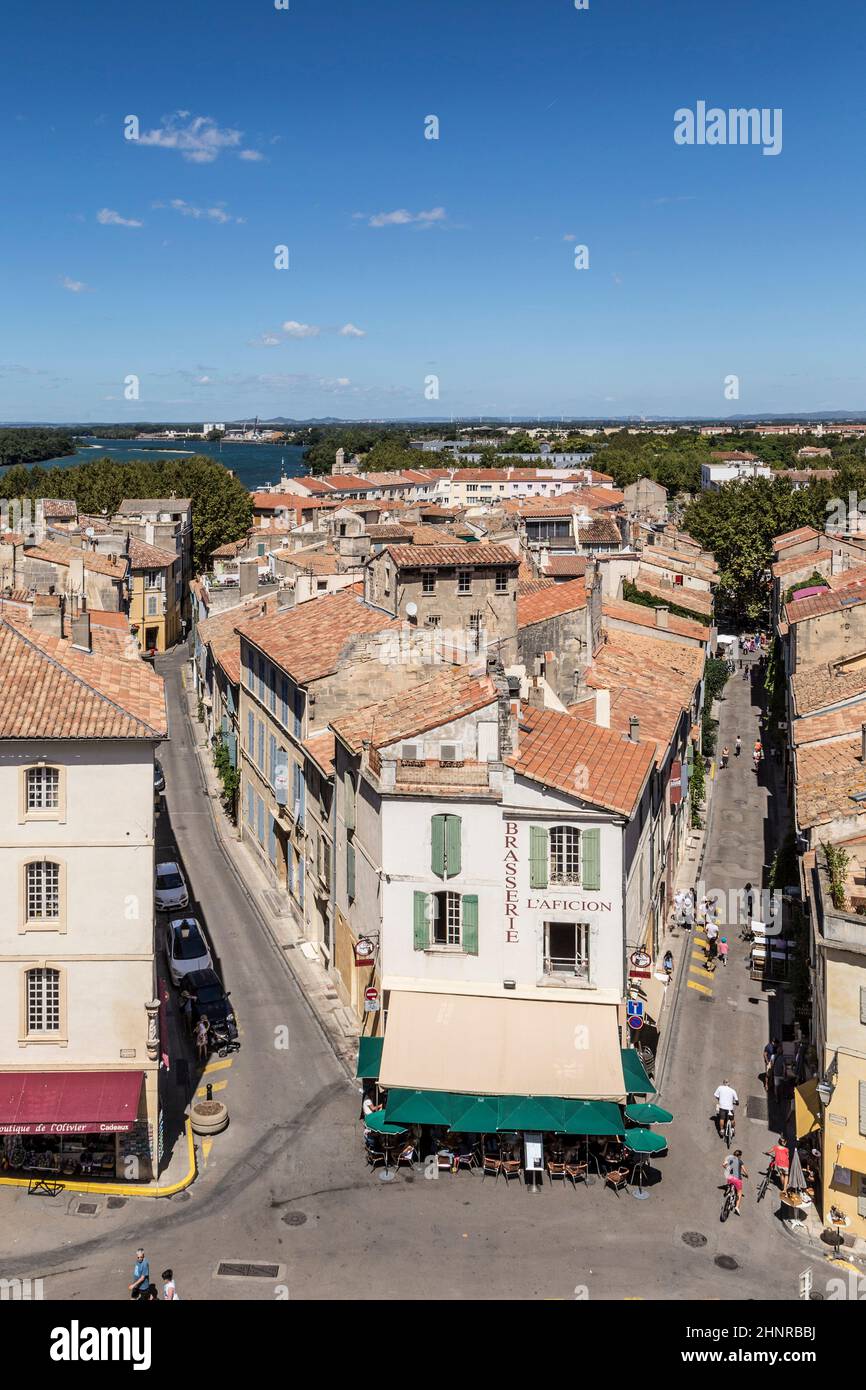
287 1185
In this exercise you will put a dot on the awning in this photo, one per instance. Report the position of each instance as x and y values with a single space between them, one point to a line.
488 1045
520 1113
369 1058
475 1114
851 1157
637 1083
420 1107
807 1108
656 994
48 1102
598 1117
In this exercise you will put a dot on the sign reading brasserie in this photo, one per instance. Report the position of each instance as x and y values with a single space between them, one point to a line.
512 933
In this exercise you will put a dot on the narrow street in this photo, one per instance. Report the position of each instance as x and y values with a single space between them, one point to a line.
287 1183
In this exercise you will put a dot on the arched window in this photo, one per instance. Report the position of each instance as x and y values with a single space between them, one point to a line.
42 890
43 1000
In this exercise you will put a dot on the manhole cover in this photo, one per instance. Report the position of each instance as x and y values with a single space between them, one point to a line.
694 1239
115 1203
181 1197
726 1262
87 1209
756 1108
227 1270
294 1218
706 999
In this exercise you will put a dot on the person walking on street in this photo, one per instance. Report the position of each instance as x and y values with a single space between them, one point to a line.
140 1276
726 753
201 1038
723 951
769 1054
169 1288
782 1159
712 951
737 746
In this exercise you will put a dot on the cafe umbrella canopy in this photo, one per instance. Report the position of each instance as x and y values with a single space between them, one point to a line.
648 1114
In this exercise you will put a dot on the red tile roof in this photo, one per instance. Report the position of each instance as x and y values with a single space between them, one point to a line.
550 602
218 633
321 748
525 587
799 562
642 616
308 641
652 678
567 566
589 763
449 696
698 600
828 601
60 508
802 533
49 689
149 557
59 554
455 555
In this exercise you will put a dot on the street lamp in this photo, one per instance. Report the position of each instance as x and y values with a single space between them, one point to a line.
827 1085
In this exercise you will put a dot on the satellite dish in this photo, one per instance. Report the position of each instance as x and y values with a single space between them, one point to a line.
90 532
411 610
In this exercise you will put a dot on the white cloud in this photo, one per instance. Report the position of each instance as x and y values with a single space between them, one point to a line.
569 236
401 217
109 218
212 214
200 141
74 286
266 340
203 380
251 156
349 330
293 329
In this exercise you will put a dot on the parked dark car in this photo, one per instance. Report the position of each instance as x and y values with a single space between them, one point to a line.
209 997
158 776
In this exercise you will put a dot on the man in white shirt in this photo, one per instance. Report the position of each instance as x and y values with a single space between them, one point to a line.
726 1099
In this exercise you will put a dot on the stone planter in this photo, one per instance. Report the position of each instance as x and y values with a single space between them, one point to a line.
208 1116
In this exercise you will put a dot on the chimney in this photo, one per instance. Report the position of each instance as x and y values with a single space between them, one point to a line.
81 632
634 729
148 532
662 615
602 709
248 573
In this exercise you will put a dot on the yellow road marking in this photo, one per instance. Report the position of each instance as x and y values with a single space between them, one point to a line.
700 941
214 1085
206 1146
697 970
219 1066
692 984
698 955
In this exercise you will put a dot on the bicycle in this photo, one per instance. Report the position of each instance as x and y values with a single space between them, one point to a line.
729 1201
767 1179
727 1129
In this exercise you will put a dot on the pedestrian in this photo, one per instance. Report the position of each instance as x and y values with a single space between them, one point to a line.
668 963
737 746
688 911
712 952
782 1159
723 951
169 1288
726 753
769 1054
750 902
679 899
201 1038
186 1001
778 1073
140 1275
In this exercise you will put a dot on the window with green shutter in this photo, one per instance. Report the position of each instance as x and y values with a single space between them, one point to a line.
420 923
537 856
350 871
470 924
590 845
445 845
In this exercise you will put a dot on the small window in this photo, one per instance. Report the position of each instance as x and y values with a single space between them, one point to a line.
564 854
464 581
43 1001
152 605
43 788
446 919
428 583
433 620
42 880
412 754
566 949
502 581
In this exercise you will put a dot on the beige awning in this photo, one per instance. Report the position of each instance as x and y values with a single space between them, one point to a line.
849 1156
653 992
486 1045
807 1108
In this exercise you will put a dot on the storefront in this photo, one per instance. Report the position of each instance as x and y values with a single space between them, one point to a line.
74 1124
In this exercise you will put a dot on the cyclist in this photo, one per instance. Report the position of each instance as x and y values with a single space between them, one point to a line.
726 1099
734 1170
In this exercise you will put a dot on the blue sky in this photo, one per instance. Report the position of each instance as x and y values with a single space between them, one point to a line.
412 258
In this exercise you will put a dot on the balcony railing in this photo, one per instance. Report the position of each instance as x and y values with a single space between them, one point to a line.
566 965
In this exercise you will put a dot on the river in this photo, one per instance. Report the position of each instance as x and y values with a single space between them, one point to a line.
253 464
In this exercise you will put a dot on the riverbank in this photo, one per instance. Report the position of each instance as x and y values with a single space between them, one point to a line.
254 465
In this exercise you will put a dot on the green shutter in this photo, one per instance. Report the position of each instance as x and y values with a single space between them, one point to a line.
422 930
350 871
452 844
470 923
437 842
349 805
590 852
537 856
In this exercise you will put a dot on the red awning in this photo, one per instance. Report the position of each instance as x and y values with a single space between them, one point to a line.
58 1102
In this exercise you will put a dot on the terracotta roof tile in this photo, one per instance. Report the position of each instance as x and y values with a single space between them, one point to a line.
148 557
802 533
800 562
592 764
697 600
48 689
308 641
447 697
59 554
455 555
567 566
321 748
550 602
649 677
828 601
646 617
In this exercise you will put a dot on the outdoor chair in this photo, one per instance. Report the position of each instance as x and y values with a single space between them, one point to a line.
375 1157
491 1165
444 1161
577 1172
510 1168
466 1160
406 1155
616 1178
555 1170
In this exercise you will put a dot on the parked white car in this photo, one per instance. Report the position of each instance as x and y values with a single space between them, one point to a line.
186 948
171 890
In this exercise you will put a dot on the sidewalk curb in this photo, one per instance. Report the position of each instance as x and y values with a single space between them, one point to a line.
121 1190
219 837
